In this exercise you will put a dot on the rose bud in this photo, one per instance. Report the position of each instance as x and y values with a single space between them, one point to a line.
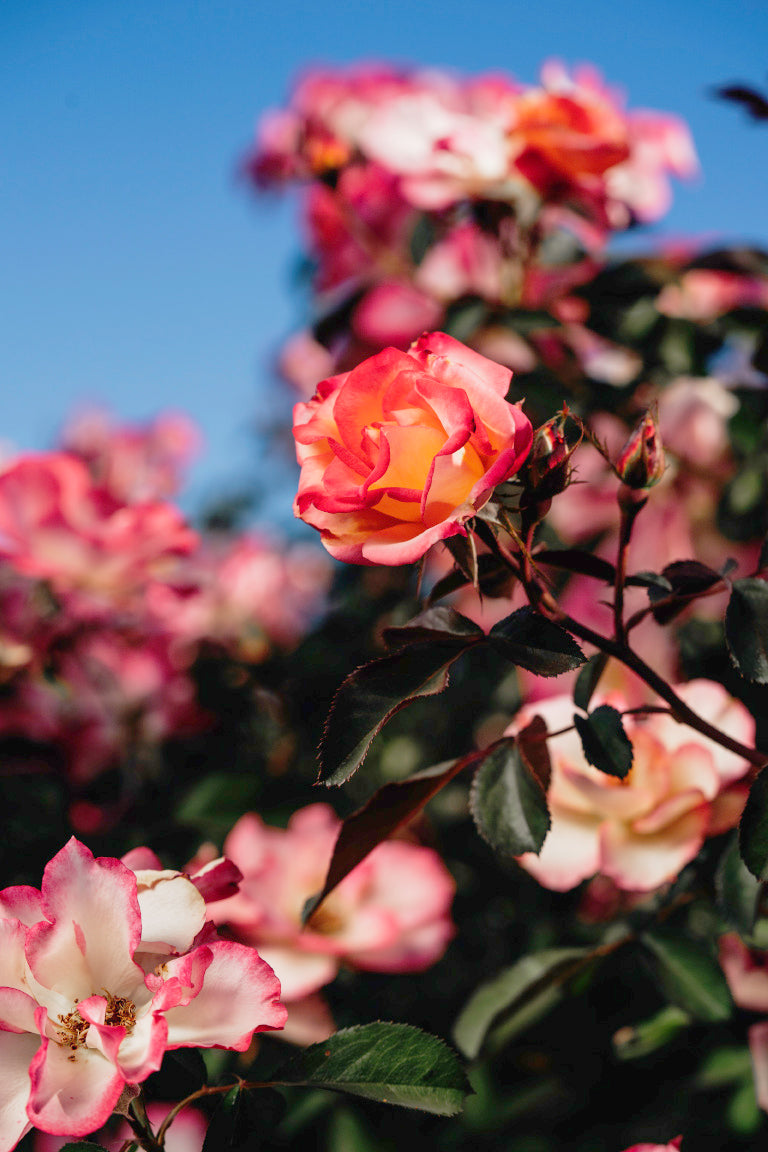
547 470
641 462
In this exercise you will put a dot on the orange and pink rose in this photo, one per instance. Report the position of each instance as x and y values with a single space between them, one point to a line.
404 449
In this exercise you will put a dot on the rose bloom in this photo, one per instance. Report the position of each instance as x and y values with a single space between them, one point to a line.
640 831
102 971
404 449
746 970
390 914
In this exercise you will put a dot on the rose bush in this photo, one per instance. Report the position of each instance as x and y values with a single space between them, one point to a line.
102 970
404 449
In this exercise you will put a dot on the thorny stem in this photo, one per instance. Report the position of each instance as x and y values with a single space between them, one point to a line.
680 710
629 510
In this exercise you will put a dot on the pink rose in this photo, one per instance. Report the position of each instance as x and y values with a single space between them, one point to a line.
404 449
102 971
391 914
640 831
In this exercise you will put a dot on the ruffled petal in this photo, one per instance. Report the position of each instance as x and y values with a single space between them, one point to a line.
240 996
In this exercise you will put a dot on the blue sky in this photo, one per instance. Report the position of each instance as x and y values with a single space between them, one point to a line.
138 271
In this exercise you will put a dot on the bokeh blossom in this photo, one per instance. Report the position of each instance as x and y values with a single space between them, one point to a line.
642 830
390 914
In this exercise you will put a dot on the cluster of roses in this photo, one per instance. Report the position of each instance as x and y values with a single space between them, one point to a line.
107 594
425 190
112 963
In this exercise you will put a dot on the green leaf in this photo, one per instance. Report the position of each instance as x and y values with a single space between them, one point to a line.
388 809
588 679
440 623
746 628
216 801
725 1066
516 997
536 644
391 1063
753 828
737 889
422 238
691 977
525 320
374 694
639 1040
508 804
604 741
242 1119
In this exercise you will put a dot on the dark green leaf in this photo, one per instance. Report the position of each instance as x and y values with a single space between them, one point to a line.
508 803
372 695
574 560
725 1066
525 320
464 552
639 1040
605 743
440 623
388 809
753 829
216 801
691 977
423 237
516 997
243 1119
588 679
649 580
686 579
391 1063
737 889
746 628
536 644
494 579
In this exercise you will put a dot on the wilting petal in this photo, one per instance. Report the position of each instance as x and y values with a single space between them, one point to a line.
172 910
240 996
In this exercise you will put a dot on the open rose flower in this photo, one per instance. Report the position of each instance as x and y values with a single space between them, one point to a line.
102 971
404 449
391 914
640 831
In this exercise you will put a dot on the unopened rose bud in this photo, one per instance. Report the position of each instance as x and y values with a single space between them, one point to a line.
548 469
641 462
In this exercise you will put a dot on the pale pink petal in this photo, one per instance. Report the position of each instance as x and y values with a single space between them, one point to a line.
299 973
142 1051
71 1097
726 809
16 1054
571 852
640 863
21 903
17 1011
240 996
96 927
141 858
309 1021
